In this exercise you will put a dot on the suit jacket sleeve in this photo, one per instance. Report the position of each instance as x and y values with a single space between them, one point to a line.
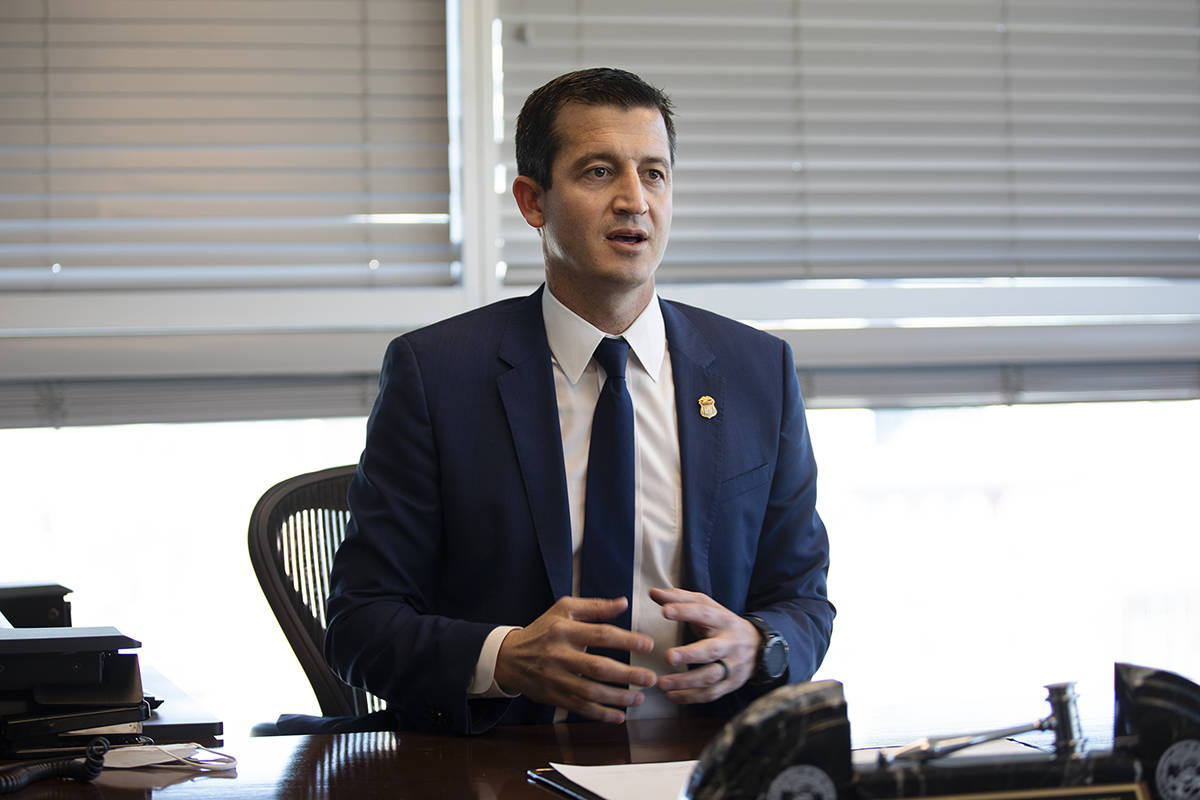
788 583
382 635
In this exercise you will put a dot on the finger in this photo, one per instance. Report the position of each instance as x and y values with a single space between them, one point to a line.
613 716
608 670
698 614
699 678
703 695
580 690
590 609
545 657
595 667
704 651
675 595
590 634
594 700
588 708
596 711
578 662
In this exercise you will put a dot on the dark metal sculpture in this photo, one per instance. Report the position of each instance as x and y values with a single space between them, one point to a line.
795 743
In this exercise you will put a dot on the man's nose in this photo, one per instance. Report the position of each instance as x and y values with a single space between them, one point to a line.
631 195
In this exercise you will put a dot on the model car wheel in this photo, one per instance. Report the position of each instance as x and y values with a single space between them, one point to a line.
802 782
1177 775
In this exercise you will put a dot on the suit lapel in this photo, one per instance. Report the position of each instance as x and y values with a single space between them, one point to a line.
527 392
528 395
701 441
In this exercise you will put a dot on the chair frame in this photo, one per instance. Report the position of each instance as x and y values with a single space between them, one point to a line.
298 601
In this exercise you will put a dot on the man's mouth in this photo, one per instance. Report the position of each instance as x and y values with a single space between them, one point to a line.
630 237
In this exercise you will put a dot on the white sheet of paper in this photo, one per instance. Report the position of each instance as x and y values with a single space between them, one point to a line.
662 780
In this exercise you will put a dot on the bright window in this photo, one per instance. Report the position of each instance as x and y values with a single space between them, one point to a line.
981 553
977 553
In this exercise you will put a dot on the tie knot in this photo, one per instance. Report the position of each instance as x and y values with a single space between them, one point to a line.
612 355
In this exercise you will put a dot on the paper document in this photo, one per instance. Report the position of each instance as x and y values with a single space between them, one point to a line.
663 780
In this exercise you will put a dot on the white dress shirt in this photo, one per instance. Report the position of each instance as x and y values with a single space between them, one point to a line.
657 531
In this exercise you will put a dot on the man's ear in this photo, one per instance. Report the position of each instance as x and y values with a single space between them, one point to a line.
529 194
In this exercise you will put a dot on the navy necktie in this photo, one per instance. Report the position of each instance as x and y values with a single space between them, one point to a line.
607 561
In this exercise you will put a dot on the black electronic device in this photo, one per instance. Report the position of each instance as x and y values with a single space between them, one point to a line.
60 687
35 605
795 742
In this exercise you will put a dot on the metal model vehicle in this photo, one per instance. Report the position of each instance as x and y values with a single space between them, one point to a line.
795 743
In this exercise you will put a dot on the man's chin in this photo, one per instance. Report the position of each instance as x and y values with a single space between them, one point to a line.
629 284
611 277
630 274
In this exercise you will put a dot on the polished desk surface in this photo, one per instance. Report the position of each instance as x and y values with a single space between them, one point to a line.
401 765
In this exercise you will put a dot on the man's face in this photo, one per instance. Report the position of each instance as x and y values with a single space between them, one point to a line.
607 216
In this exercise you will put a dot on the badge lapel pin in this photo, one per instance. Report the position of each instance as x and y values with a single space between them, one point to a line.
708 407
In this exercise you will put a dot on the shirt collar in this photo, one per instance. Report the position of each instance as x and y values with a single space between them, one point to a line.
573 339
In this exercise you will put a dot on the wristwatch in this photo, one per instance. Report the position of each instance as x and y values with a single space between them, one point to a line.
772 659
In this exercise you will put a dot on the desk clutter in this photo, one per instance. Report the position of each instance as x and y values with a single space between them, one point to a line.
72 705
795 742
25 605
61 687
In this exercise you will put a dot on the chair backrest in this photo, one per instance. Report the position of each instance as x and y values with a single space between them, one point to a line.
294 532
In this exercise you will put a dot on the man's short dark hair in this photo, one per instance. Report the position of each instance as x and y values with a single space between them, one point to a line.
537 140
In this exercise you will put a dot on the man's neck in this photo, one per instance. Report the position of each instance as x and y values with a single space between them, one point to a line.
611 312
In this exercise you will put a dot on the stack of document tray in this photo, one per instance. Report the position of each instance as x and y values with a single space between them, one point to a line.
62 687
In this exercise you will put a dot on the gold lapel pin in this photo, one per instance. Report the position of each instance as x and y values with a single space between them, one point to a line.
708 407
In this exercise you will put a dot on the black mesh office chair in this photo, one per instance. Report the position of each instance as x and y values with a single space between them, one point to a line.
294 531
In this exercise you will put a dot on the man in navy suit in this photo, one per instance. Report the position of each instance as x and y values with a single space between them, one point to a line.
455 595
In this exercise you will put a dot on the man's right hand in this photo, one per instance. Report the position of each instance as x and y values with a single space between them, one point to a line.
547 660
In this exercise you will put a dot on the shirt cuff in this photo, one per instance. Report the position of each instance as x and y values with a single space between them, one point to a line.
483 682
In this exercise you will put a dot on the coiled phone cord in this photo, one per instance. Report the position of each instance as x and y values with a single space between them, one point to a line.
84 769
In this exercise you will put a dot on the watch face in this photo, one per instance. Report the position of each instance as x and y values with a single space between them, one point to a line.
774 657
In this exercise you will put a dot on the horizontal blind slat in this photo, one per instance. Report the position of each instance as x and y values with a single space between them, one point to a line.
827 138
98 402
186 141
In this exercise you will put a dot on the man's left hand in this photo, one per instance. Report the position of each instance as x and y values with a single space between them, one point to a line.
724 636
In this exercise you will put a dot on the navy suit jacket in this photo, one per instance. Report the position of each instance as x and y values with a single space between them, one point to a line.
460 519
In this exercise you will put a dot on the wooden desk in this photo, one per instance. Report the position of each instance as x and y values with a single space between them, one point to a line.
180 718
401 765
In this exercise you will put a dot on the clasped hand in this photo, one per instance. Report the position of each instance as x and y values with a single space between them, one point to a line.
547 661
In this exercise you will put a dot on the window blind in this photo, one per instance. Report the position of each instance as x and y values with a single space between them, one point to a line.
205 176
150 144
57 403
889 139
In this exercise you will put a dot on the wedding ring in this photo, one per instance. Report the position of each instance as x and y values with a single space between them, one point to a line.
725 667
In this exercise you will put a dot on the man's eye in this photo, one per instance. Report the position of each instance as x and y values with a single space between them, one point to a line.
655 175
598 172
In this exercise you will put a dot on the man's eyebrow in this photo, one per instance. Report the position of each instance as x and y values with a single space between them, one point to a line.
606 155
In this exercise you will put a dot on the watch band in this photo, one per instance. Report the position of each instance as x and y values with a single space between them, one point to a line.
771 664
